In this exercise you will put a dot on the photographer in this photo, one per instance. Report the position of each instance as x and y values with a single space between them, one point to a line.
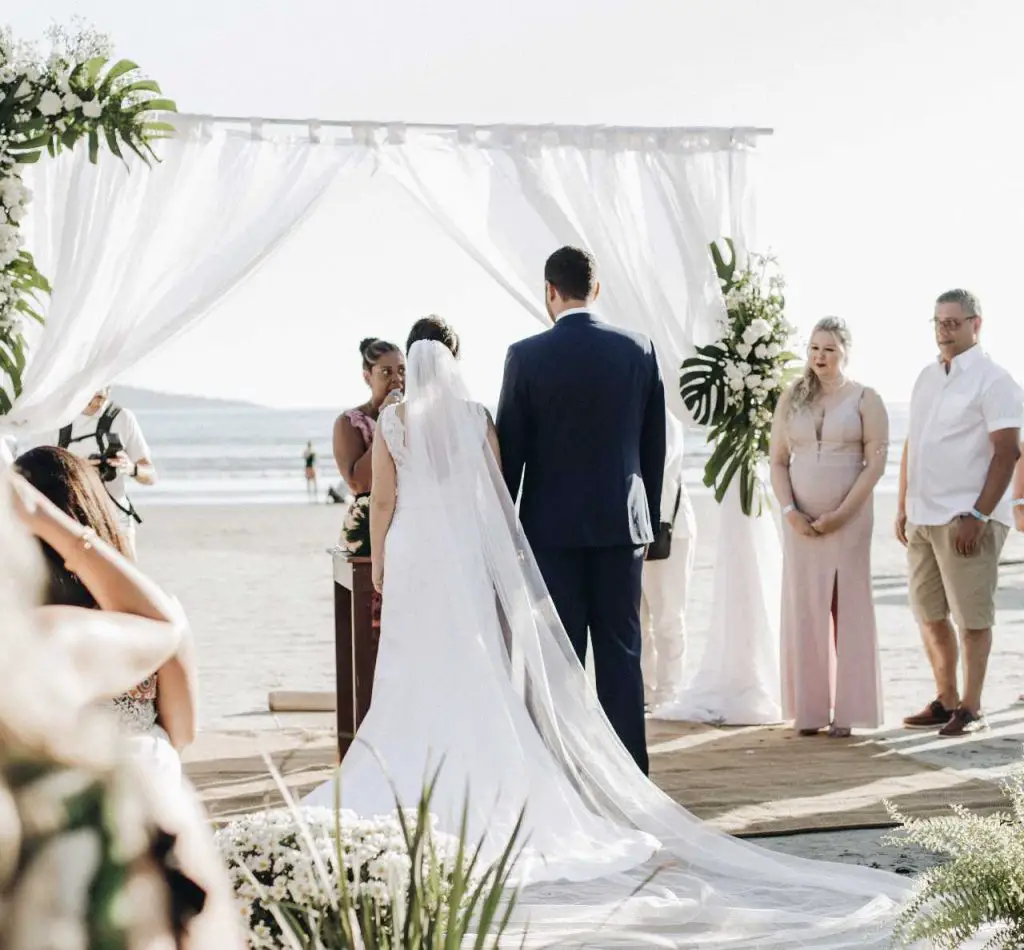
110 438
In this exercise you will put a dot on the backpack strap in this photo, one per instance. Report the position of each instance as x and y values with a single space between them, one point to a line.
104 425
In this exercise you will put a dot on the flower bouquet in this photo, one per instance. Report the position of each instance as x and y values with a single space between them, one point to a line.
355 530
734 384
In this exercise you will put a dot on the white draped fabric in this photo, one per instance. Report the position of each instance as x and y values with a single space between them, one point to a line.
646 203
137 255
738 680
135 259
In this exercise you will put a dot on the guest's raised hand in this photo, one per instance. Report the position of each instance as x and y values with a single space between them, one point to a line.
28 501
393 398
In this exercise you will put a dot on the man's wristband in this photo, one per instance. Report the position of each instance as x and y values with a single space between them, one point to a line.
787 509
984 519
1017 503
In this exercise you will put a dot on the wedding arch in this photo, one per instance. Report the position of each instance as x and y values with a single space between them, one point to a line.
136 259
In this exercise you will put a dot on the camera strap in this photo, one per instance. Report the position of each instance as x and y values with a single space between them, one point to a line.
102 433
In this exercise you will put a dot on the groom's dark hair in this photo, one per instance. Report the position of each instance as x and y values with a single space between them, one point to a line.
572 272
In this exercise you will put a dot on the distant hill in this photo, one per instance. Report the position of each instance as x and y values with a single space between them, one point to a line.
147 399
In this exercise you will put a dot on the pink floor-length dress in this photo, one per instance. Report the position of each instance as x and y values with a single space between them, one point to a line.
826 672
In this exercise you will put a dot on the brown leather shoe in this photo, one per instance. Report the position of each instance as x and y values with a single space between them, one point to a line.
962 723
931 717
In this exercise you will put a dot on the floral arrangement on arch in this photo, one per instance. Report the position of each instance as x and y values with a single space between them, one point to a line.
49 104
734 384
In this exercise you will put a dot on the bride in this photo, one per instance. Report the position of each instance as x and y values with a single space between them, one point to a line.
475 673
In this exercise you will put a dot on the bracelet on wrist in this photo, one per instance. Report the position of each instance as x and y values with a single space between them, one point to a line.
1017 503
787 509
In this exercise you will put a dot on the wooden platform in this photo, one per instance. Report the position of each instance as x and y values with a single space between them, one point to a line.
747 781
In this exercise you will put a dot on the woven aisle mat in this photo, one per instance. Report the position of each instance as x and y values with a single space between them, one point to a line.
764 780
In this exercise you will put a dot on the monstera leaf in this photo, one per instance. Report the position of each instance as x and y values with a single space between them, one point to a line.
726 271
736 455
702 385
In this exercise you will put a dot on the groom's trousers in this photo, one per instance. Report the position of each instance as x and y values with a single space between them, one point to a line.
598 589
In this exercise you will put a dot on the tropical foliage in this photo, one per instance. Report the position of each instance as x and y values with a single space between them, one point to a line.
75 95
980 889
733 385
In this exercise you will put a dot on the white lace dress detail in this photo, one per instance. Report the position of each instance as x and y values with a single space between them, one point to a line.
390 426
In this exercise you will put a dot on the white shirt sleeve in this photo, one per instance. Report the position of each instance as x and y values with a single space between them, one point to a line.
127 426
1002 404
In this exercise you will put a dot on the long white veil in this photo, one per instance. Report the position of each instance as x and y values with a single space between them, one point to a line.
708 889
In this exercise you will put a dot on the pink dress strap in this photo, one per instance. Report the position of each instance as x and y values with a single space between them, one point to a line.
363 424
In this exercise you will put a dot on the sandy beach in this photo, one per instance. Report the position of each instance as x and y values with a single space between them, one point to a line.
257 585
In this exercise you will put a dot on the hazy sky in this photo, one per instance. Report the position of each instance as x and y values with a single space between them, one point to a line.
894 172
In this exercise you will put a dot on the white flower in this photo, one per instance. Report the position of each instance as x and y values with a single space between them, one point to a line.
92 109
24 90
758 329
50 103
71 102
773 350
744 368
743 349
753 381
761 351
736 384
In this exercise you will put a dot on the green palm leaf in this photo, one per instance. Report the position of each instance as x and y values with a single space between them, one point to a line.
702 385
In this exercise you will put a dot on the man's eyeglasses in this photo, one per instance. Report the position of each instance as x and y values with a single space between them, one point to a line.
951 323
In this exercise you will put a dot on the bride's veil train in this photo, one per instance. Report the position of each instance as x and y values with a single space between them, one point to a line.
708 889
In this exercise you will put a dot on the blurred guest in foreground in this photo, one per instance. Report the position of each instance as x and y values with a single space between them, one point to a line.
93 850
158 712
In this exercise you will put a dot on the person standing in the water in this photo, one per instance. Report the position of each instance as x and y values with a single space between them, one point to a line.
310 457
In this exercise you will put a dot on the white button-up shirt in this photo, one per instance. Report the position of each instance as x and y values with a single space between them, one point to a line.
951 417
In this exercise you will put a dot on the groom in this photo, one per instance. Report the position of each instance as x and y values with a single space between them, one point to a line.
582 411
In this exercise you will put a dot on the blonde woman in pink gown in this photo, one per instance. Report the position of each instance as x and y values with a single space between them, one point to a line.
829 441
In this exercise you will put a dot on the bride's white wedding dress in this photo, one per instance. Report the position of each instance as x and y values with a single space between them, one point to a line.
475 673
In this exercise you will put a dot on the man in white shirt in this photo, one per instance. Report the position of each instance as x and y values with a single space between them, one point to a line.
666 581
102 425
954 509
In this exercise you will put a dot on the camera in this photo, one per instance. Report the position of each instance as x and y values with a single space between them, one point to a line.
114 447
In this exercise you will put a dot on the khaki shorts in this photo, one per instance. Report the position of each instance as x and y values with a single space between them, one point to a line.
943 582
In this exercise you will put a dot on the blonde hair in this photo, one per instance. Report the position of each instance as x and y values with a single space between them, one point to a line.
807 388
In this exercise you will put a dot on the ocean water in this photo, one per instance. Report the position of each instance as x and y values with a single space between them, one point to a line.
245 456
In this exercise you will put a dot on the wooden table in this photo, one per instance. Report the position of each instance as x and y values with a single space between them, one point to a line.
356 635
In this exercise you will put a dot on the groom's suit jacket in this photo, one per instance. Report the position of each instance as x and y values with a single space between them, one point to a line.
581 421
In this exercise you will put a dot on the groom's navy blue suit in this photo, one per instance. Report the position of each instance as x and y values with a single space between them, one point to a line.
581 423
